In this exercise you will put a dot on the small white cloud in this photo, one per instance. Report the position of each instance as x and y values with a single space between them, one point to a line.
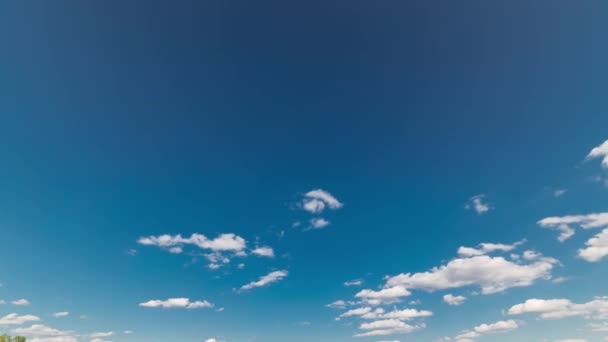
315 201
559 192
355 282
265 251
486 248
384 296
102 334
178 303
478 203
21 302
61 314
270 278
318 223
487 329
600 151
450 299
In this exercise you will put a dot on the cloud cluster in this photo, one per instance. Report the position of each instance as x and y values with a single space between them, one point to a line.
220 250
450 299
316 202
499 327
268 279
43 333
597 309
479 204
176 303
596 247
491 274
383 323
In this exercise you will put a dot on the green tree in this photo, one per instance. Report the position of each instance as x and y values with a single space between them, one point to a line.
6 338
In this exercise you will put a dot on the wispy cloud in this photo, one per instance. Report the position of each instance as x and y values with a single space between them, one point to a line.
268 279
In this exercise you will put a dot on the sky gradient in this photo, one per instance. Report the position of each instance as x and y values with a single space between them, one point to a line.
253 171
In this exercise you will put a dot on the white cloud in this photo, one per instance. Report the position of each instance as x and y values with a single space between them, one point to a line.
478 203
387 327
178 303
270 278
223 243
356 312
487 329
339 304
559 192
597 247
315 201
264 252
491 274
572 340
600 151
15 319
598 327
561 308
318 223
21 302
99 340
356 282
102 334
486 248
61 314
384 296
564 224
407 314
43 333
450 299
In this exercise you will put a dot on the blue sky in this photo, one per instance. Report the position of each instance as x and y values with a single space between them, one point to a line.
317 171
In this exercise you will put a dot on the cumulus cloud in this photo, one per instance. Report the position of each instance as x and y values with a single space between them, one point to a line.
270 278
15 319
487 329
387 327
450 299
316 201
102 334
383 296
265 251
478 203
223 243
596 309
43 333
597 247
600 151
177 303
491 274
21 302
564 224
318 223
486 248
61 314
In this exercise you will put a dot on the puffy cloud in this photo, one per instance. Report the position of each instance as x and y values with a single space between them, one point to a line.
15 319
491 274
356 282
486 248
43 333
315 201
264 252
487 329
177 303
600 151
597 247
563 224
384 296
102 334
356 312
339 304
388 327
270 278
61 314
223 243
407 314
478 203
561 308
318 223
450 299
21 302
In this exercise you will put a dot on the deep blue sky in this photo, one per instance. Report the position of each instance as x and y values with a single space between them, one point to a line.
123 119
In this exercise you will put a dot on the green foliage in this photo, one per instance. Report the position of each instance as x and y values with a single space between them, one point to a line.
6 338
